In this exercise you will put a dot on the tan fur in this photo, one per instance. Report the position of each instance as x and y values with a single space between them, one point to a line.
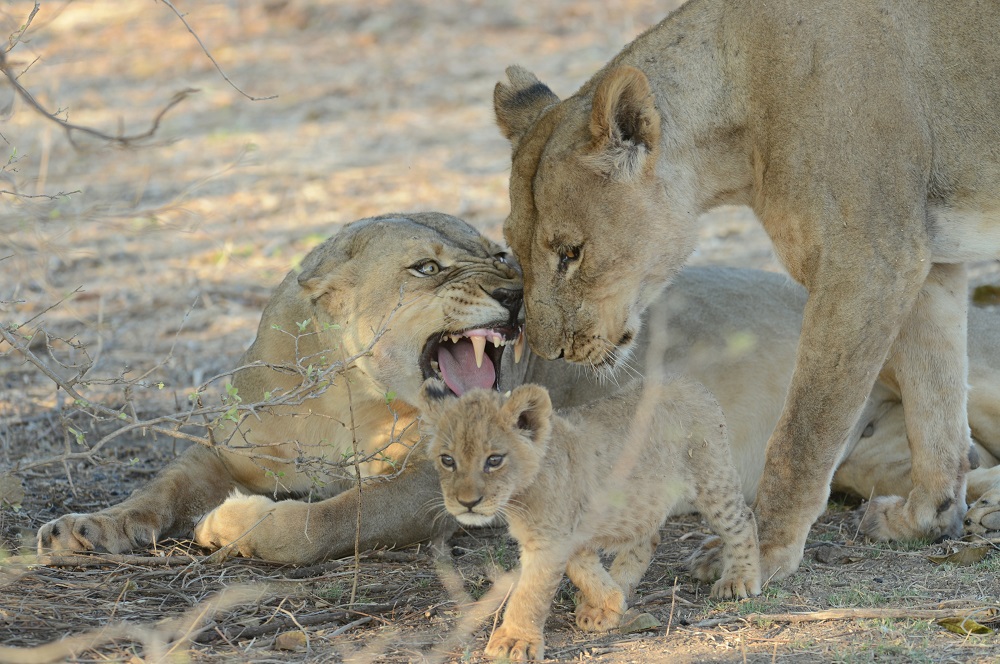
359 282
598 478
864 137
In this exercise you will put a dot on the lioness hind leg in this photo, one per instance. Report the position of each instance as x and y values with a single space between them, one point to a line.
601 602
929 362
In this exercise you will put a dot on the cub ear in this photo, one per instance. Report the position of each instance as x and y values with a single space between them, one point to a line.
519 102
624 125
529 409
432 395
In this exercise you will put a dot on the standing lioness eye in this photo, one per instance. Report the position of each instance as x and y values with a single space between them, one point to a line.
493 462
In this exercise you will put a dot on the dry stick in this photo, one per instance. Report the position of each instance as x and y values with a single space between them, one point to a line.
279 624
850 614
69 127
15 38
357 477
217 67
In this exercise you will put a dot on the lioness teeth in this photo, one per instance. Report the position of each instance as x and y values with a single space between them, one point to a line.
518 348
479 346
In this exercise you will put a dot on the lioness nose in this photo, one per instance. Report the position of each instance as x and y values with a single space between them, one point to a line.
469 504
509 298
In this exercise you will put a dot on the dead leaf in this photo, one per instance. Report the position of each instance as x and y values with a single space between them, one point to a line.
11 490
963 626
635 621
965 556
296 641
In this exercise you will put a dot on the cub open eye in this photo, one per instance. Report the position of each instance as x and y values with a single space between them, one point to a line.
426 268
493 462
447 462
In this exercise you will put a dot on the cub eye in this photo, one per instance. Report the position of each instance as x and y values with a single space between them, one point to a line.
501 257
493 462
426 268
447 462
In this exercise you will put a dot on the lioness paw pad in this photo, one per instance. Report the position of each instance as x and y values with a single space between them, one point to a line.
232 521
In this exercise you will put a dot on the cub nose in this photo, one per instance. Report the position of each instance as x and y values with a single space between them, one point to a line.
469 504
510 299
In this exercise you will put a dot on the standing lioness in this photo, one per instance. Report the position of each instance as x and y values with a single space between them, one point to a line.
863 134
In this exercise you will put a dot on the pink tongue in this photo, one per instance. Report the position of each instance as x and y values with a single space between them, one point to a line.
458 368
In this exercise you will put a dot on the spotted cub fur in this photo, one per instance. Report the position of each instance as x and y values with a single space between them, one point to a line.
598 478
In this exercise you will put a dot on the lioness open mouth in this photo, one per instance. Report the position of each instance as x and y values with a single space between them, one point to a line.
469 359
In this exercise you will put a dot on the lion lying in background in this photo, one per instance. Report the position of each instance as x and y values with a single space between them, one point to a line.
447 301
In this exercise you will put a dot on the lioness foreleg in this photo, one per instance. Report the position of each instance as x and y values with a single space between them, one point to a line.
853 314
395 512
191 485
929 362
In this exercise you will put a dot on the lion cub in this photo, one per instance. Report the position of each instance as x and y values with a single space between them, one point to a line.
598 478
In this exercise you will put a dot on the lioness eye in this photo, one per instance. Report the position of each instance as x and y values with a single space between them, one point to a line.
447 462
493 462
426 268
568 255
502 257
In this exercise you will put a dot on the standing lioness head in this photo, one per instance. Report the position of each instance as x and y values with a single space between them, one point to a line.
584 191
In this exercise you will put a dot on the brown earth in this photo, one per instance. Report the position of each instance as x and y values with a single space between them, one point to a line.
162 260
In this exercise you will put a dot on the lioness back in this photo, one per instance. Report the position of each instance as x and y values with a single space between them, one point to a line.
581 481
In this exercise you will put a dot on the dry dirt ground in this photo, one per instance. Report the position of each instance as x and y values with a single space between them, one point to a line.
160 261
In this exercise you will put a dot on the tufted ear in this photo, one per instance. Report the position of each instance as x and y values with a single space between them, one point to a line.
433 394
519 101
529 409
624 125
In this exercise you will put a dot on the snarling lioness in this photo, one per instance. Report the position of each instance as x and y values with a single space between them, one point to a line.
442 300
863 135
437 291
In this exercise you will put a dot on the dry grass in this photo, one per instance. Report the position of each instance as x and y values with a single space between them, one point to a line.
170 251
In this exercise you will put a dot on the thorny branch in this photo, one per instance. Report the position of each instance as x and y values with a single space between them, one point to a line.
314 382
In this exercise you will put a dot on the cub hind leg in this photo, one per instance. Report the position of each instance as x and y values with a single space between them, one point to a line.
733 558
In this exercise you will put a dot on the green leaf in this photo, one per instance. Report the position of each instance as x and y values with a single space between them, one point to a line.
304 324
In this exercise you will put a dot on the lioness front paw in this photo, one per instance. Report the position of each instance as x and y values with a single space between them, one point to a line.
516 646
895 518
600 618
233 523
984 514
108 532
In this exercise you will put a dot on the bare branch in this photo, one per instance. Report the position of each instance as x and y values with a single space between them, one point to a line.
15 38
168 3
69 128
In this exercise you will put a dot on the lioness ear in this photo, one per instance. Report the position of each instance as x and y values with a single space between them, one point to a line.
529 409
624 124
324 272
519 102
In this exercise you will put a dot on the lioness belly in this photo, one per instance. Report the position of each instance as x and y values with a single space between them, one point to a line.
960 235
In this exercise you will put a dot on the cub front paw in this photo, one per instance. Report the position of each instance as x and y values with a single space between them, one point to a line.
233 523
984 514
103 532
516 646
600 616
